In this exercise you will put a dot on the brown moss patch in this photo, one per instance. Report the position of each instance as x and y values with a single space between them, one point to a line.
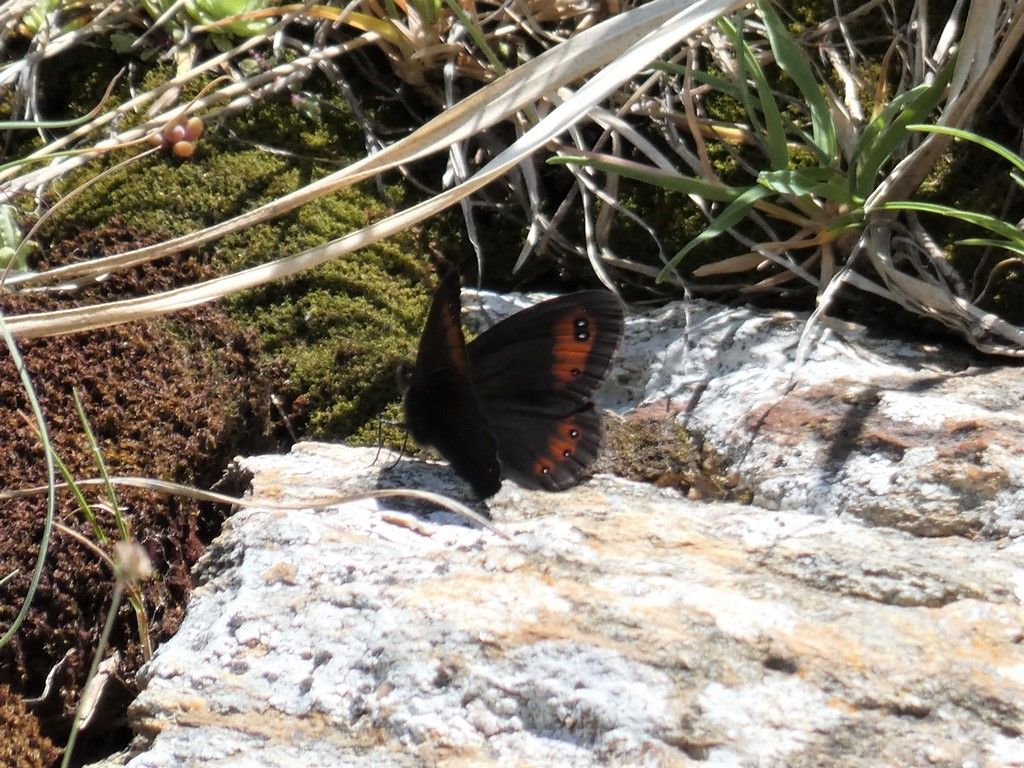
661 452
21 743
175 399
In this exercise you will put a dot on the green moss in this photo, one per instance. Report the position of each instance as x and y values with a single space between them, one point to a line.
340 330
336 331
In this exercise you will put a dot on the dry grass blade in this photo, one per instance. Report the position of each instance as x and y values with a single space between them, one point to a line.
176 489
520 88
731 265
623 40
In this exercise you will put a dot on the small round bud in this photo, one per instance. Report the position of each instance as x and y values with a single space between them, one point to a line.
194 128
183 149
174 133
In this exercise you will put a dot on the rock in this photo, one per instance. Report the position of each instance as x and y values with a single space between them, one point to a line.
909 435
619 625
626 625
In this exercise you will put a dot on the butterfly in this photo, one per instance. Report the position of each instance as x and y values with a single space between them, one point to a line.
516 401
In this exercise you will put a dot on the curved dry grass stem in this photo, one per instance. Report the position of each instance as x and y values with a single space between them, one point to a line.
616 49
520 88
185 491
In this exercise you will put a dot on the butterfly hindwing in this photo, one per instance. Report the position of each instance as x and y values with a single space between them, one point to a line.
534 374
547 450
441 406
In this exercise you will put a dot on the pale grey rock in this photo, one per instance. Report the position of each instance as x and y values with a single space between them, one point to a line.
899 434
619 626
858 614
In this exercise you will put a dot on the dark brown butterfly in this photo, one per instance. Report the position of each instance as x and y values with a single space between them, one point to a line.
516 401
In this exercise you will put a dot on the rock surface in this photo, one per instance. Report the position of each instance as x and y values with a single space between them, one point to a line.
918 437
626 625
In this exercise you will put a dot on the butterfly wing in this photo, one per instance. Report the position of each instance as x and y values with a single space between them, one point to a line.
441 407
535 374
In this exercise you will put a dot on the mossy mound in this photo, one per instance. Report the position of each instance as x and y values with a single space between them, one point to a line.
336 331
173 399
21 743
654 449
340 331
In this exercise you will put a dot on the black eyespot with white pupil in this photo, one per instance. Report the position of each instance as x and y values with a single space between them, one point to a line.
582 328
574 433
566 453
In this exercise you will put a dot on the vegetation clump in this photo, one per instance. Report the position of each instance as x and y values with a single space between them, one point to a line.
173 399
22 745
335 333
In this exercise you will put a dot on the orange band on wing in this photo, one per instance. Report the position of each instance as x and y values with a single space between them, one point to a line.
560 448
574 338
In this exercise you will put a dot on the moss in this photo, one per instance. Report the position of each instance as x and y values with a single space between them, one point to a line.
340 330
174 399
659 451
21 744
336 331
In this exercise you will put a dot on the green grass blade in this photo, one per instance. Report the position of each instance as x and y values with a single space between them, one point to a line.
793 62
993 146
688 185
97 455
859 180
743 94
820 182
51 493
988 243
735 212
773 134
983 220
101 647
895 133
83 503
8 125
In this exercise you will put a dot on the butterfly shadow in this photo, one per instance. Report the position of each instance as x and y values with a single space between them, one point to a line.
410 472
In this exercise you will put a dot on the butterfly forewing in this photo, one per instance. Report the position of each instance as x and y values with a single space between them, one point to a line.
441 407
546 339
534 374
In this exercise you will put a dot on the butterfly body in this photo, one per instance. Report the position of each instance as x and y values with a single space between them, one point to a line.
516 401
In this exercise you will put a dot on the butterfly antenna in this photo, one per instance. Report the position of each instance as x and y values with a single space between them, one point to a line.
401 453
279 407
381 421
